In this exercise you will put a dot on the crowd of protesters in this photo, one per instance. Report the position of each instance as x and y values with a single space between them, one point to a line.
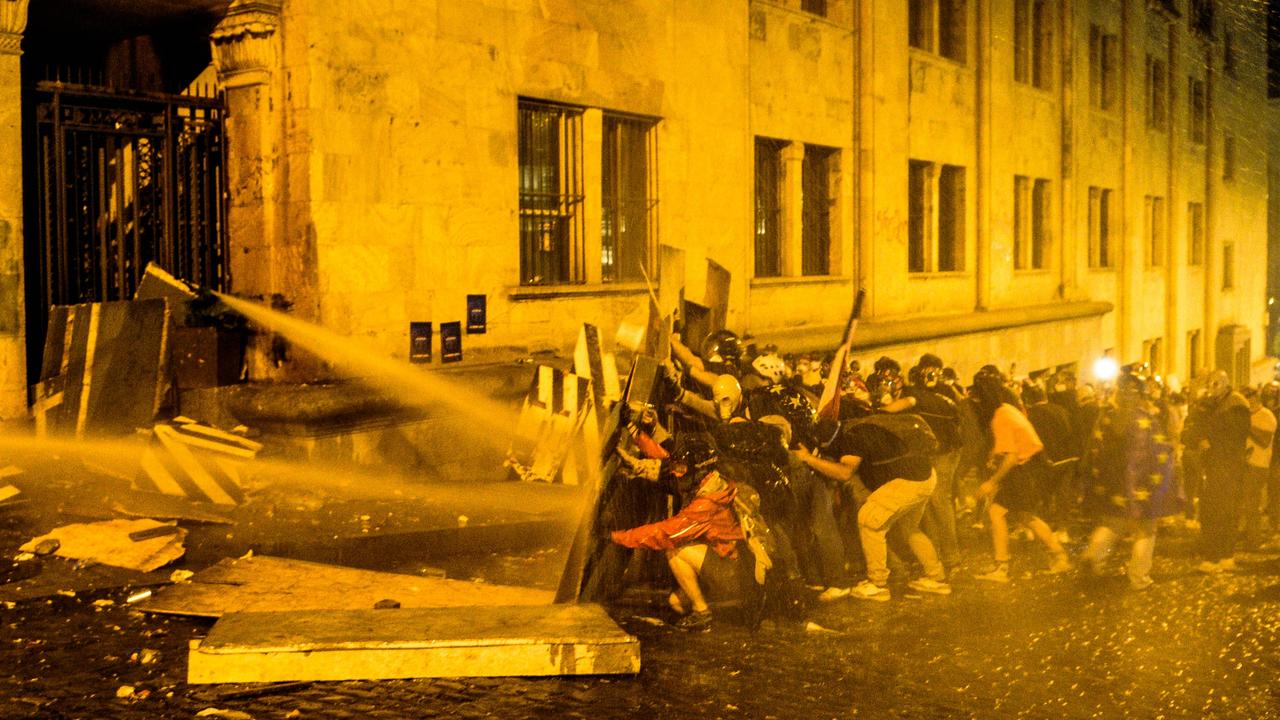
768 482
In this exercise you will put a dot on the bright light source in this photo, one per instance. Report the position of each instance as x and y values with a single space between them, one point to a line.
1106 369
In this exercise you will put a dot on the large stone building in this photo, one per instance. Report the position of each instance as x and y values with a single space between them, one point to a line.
1031 181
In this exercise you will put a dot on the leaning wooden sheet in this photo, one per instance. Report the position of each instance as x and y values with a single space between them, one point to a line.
554 410
265 583
103 369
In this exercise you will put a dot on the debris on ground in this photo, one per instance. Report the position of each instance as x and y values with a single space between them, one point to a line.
224 714
109 543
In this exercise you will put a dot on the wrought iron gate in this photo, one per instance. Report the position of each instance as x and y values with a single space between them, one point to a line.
124 179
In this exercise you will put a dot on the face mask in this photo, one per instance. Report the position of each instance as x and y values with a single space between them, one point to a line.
726 409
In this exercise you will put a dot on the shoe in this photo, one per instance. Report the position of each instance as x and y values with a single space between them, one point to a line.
1228 564
695 622
1139 585
833 593
1000 574
928 585
1061 564
1062 537
867 590
1210 567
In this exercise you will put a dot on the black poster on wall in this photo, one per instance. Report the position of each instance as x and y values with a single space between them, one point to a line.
475 314
419 342
450 342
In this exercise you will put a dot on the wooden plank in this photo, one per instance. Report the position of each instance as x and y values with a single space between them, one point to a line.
717 295
671 279
263 583
413 643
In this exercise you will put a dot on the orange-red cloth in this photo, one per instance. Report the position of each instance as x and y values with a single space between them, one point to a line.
708 518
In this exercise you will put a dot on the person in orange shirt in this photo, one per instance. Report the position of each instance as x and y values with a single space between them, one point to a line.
1015 484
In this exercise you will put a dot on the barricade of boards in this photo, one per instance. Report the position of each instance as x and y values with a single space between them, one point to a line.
195 461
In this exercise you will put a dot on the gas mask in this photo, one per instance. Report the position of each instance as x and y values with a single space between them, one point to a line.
931 376
727 394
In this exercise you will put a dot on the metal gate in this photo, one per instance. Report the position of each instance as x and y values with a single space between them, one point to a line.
123 179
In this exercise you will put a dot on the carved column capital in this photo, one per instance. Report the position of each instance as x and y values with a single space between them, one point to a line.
245 45
13 21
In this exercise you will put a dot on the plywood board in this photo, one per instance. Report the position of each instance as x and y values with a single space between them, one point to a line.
265 583
413 643
109 543
717 297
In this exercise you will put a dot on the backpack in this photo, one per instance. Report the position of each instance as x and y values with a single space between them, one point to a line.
910 429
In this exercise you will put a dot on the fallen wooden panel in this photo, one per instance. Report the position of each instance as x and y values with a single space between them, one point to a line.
196 461
109 543
263 583
413 643
55 575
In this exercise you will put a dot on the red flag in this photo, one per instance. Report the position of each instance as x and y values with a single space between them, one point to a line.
829 404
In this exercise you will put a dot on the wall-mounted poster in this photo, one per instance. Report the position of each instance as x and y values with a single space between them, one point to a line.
419 342
450 342
475 314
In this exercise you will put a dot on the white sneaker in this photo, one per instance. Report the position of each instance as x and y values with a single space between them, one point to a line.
928 585
1062 536
1000 575
867 590
1141 584
1060 564
833 593
1210 567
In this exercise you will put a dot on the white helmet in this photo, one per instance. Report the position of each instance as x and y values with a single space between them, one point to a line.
727 394
771 367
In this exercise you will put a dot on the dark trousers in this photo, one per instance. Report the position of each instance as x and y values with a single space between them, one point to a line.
1220 510
817 512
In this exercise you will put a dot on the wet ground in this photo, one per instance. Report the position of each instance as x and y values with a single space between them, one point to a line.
1041 647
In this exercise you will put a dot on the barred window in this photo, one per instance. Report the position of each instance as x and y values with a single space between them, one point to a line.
936 204
1195 233
628 194
816 196
769 179
1100 228
1198 110
1033 42
551 224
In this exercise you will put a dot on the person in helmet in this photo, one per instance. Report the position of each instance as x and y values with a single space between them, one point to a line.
1262 430
725 404
896 485
701 540
1218 428
1131 480
1014 487
770 367
940 412
721 355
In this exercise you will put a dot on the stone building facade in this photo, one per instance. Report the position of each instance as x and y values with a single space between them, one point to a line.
1031 181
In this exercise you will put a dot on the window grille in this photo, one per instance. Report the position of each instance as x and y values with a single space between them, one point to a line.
815 242
629 198
551 224
768 207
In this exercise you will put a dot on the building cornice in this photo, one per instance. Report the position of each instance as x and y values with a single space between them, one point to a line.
874 333
13 22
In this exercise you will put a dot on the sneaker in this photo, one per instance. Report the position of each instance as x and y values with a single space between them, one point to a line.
1228 564
1061 564
1142 584
1210 567
833 593
1000 574
867 590
928 585
695 621
1062 537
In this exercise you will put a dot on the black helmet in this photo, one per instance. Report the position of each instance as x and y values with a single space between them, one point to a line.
722 346
794 405
693 456
888 366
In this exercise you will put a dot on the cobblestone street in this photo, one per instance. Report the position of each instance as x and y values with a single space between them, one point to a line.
1042 646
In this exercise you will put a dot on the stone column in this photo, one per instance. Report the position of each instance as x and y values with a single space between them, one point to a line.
13 346
247 53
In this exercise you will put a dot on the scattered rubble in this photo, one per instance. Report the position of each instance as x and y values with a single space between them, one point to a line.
110 543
